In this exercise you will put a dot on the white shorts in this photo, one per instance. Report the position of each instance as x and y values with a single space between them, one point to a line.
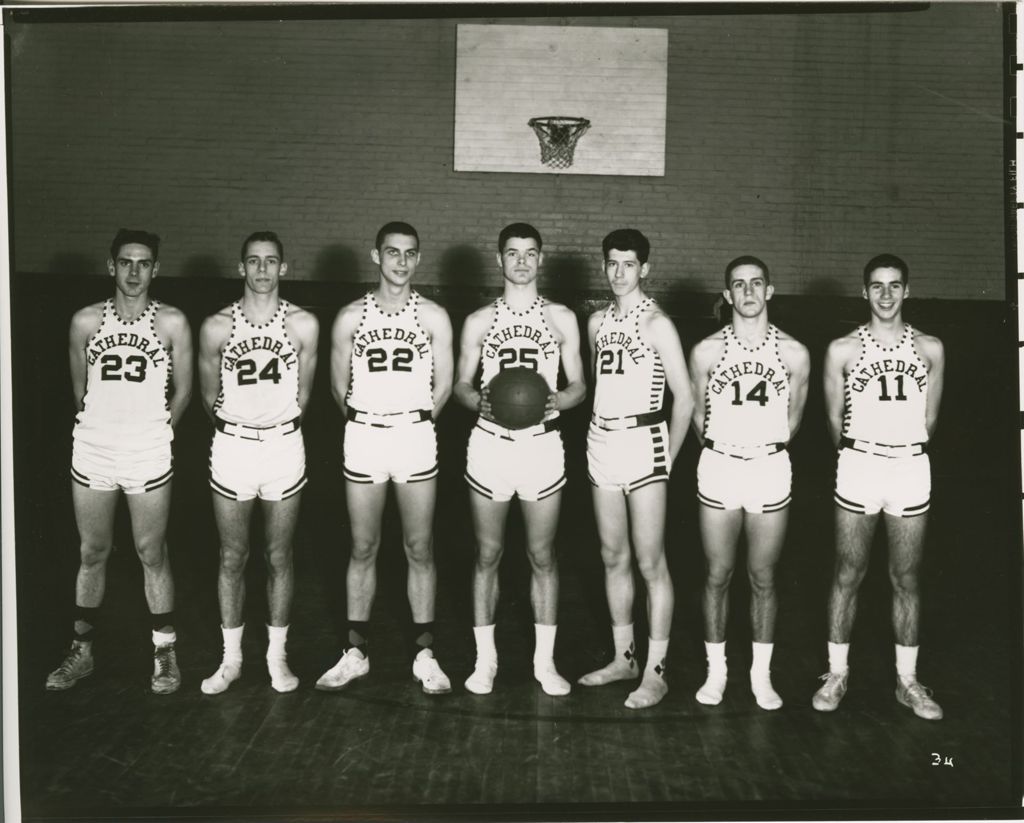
272 469
627 459
501 463
403 453
868 483
758 485
135 471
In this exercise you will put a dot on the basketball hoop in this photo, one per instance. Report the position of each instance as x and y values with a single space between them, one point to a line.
558 137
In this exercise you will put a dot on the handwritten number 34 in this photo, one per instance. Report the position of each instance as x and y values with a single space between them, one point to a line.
939 760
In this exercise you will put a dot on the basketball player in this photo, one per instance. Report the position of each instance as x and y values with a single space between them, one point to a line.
883 383
391 373
519 329
256 362
131 374
630 452
752 378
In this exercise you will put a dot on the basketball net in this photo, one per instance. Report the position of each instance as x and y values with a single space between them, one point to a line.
558 137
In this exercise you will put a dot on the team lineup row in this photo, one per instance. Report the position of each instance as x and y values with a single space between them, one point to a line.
392 371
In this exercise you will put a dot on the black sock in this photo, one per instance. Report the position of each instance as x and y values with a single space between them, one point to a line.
90 616
358 635
163 622
422 637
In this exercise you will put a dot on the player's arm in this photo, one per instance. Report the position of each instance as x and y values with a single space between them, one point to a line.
702 358
178 335
565 323
303 327
836 358
798 364
661 333
935 356
593 324
213 334
470 349
439 327
342 343
84 324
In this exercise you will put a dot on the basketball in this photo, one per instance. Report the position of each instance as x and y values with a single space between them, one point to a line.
518 397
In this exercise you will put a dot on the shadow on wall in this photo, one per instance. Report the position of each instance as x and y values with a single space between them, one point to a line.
337 263
824 287
461 266
76 263
204 266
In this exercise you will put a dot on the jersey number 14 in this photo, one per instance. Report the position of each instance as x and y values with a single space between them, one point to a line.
758 394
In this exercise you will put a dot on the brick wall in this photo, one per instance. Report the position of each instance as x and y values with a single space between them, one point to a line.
813 140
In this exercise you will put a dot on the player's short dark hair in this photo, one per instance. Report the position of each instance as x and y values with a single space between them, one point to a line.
143 238
519 230
746 260
395 227
887 261
262 237
627 240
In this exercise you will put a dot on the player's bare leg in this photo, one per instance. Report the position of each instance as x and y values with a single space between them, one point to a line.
541 521
489 517
720 530
149 512
279 520
612 517
766 534
853 548
906 545
416 507
232 518
94 516
647 518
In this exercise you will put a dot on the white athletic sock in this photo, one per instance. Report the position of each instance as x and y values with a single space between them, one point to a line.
837 657
906 662
762 658
485 648
163 638
711 693
716 654
622 638
544 650
656 653
233 644
230 668
277 636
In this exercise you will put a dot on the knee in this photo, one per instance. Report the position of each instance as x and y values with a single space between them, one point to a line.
652 566
364 550
849 575
152 553
94 553
233 558
488 555
542 559
719 577
419 551
615 557
762 581
279 559
904 581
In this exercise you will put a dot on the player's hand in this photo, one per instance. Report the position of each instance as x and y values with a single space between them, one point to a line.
552 404
484 406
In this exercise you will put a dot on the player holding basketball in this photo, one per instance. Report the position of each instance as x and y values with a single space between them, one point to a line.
630 452
256 362
391 374
883 384
752 378
131 374
519 329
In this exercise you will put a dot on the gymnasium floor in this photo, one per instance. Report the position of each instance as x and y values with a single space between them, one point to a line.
382 749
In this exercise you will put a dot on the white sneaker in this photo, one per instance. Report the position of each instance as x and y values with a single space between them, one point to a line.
481 681
428 672
352 665
219 681
281 677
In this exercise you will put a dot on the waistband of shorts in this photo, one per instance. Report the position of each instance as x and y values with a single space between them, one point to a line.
256 432
882 449
386 421
744 452
629 421
516 434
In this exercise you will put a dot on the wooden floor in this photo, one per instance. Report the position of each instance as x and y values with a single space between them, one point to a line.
383 749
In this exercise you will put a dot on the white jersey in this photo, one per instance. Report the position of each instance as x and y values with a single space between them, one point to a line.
747 397
128 372
630 377
259 372
886 392
521 339
392 360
